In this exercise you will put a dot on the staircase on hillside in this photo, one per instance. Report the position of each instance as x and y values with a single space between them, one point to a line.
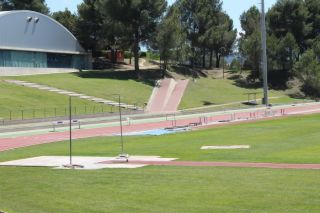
167 96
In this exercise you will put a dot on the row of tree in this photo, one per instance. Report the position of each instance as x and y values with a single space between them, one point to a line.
293 28
194 30
187 31
199 32
184 32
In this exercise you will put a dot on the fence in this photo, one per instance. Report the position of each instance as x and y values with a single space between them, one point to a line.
59 111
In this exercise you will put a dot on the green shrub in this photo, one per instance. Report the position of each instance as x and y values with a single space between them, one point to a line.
143 55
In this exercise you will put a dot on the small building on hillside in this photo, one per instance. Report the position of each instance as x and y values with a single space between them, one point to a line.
32 40
118 54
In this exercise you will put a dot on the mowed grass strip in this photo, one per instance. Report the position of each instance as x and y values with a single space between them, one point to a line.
176 189
17 102
100 84
158 190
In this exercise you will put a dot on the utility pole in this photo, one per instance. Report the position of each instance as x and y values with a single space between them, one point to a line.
123 157
264 63
223 52
70 132
120 121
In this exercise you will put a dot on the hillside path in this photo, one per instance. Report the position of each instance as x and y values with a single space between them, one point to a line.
167 95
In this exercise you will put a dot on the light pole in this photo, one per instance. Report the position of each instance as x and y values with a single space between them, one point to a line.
71 165
122 155
70 131
222 50
114 52
264 55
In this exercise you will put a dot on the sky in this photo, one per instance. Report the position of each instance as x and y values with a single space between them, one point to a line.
234 8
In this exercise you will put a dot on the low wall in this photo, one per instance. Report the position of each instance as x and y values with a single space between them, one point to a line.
18 71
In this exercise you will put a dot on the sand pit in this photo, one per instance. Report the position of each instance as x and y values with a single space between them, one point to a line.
88 163
226 147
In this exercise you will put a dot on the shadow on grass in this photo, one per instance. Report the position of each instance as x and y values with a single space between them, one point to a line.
207 103
245 83
277 80
146 76
188 71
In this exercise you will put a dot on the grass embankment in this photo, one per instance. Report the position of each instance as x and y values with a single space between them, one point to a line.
17 102
176 189
208 91
101 84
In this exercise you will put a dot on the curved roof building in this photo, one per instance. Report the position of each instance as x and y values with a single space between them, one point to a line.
31 39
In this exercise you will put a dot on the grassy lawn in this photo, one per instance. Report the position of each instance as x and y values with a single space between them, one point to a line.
203 92
97 83
17 102
207 91
176 189
158 190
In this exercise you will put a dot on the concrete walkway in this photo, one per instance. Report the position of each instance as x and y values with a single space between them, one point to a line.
73 94
167 96
19 71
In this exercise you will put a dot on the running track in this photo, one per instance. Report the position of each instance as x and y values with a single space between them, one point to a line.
24 141
225 164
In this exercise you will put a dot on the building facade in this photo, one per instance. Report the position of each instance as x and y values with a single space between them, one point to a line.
32 40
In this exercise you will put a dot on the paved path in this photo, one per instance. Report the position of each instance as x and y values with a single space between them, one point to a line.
167 96
224 164
73 94
175 98
227 118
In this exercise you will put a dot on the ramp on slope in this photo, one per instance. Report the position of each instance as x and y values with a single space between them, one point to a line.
176 96
167 96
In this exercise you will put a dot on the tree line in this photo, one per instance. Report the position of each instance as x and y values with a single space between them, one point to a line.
184 32
199 33
293 36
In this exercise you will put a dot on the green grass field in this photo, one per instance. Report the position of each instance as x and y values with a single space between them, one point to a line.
207 91
176 189
97 83
17 102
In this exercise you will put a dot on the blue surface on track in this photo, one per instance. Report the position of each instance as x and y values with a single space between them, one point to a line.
157 132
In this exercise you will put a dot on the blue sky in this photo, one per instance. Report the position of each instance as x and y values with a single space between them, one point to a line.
234 8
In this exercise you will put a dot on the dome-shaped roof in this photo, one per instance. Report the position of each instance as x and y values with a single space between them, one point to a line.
32 31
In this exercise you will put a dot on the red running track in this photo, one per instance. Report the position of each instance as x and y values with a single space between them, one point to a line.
24 141
224 164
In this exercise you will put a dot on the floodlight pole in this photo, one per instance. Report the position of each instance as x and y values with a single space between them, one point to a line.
223 50
264 63
223 67
121 129
70 131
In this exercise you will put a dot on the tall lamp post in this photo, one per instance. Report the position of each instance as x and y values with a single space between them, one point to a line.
222 50
122 155
264 55
71 165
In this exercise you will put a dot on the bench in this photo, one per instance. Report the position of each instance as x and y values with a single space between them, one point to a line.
252 98
60 123
195 124
76 122
56 123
